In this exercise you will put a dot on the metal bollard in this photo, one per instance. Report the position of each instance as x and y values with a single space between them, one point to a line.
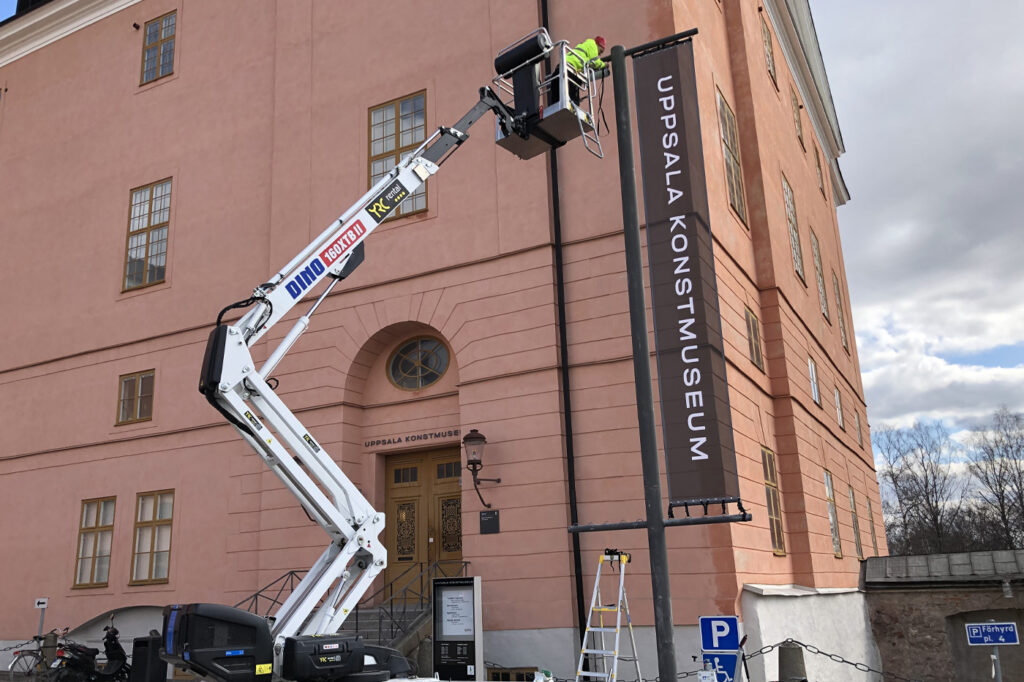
791 663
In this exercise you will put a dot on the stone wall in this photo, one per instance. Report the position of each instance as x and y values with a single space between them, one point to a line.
920 632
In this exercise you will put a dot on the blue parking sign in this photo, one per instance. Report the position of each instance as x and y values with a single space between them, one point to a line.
719 633
992 634
724 664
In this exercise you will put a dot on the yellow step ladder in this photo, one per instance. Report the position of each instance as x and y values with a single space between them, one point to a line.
602 662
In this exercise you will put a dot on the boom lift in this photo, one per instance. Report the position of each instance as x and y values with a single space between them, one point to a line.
223 644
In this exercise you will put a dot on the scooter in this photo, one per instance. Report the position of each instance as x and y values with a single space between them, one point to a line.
77 662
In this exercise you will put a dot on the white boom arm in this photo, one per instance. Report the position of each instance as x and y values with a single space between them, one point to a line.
242 392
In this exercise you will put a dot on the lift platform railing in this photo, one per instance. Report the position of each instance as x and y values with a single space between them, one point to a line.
553 91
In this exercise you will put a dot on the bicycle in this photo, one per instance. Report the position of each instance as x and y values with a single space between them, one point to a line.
28 661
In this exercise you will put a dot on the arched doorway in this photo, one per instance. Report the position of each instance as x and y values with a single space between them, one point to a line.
402 395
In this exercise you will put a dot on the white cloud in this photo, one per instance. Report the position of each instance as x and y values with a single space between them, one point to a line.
930 108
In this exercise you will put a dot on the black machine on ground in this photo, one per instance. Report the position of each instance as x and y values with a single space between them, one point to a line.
535 112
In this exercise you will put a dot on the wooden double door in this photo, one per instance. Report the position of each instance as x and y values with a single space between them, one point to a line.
424 511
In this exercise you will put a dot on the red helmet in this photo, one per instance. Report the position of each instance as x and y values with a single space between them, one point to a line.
600 41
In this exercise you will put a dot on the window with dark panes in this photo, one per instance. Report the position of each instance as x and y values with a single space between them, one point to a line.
151 551
158 47
731 152
95 531
136 397
418 363
820 276
754 339
860 434
856 525
871 523
396 129
839 313
406 474
797 120
769 51
146 250
794 229
821 176
511 674
771 491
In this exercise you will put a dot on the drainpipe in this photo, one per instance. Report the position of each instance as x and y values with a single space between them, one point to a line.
563 362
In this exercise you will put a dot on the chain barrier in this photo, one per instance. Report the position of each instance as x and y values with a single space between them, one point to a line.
16 646
863 667
693 673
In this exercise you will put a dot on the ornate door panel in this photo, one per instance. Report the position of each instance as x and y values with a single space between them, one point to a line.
447 544
445 520
424 505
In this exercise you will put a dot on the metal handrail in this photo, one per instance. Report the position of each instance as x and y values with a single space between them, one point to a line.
288 581
402 600
401 609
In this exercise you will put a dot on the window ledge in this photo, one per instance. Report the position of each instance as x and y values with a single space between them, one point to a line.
156 82
144 289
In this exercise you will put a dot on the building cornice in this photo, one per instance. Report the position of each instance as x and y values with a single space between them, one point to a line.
825 126
48 23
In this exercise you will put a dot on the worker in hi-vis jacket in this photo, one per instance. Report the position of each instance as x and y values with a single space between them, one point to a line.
591 49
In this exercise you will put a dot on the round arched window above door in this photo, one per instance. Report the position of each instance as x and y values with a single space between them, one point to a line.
418 363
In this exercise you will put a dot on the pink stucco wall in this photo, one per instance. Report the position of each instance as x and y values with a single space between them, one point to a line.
263 130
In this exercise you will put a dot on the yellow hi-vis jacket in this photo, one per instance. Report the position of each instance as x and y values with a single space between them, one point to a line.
589 48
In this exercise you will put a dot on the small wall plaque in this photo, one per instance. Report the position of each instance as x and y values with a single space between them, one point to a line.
490 522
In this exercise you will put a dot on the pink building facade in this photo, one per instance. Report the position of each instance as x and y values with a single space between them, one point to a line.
176 153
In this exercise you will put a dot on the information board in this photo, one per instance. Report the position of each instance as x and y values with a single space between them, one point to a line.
458 629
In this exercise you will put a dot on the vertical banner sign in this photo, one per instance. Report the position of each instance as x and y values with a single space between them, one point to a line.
696 424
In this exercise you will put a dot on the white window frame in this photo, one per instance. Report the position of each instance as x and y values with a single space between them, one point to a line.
812 372
833 515
794 229
839 409
820 275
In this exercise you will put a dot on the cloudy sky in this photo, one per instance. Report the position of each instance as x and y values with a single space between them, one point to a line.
930 98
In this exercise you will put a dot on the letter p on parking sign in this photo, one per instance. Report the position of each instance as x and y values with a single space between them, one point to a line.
719 633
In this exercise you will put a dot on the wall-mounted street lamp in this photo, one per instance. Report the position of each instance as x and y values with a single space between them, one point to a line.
474 442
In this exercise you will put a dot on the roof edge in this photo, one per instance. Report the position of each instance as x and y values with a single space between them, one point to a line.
25 33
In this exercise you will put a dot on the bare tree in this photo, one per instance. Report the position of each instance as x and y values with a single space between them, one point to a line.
926 496
893 446
997 462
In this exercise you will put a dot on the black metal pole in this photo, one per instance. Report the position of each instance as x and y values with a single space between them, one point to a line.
642 370
563 361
